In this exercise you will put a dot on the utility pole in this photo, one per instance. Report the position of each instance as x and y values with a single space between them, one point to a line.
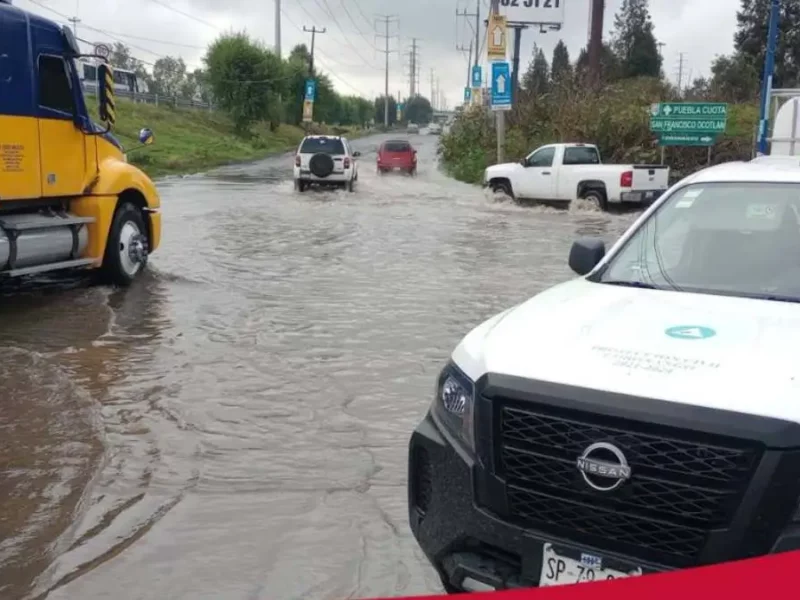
766 79
75 20
278 27
680 72
476 27
469 61
313 31
433 89
500 116
387 20
596 39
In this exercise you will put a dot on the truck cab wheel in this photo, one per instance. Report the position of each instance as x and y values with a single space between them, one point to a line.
597 198
127 246
502 187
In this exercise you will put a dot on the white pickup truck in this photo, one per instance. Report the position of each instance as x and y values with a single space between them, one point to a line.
566 172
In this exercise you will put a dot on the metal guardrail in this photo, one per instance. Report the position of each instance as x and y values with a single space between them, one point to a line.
156 99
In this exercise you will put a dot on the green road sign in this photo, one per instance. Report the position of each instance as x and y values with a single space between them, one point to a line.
695 120
685 126
698 139
691 110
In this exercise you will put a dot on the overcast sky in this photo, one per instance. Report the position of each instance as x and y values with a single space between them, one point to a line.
698 29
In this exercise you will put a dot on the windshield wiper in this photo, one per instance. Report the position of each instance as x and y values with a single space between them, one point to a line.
634 284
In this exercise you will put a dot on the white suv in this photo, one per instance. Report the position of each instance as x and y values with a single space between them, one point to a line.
325 160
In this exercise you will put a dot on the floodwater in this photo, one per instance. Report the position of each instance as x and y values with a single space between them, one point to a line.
235 424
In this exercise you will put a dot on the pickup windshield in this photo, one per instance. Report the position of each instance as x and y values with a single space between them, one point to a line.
322 145
736 239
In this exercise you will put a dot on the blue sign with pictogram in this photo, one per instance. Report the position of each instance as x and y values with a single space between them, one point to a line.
311 89
477 76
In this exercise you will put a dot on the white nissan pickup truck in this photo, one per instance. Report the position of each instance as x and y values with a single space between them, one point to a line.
561 173
641 417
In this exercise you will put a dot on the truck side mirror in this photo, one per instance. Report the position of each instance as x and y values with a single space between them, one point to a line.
586 254
105 95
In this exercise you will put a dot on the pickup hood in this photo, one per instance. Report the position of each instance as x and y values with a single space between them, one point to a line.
501 170
713 351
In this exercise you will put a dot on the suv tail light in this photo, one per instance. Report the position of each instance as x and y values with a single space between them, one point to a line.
297 160
626 179
346 163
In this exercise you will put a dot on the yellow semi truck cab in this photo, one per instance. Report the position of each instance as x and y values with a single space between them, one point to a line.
68 197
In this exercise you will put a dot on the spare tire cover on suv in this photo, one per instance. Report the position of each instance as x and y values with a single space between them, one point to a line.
321 165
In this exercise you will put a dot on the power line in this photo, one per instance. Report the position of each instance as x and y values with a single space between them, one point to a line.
185 14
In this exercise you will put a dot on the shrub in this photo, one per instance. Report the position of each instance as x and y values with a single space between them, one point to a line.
616 118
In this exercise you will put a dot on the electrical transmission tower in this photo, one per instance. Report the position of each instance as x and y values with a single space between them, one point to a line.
413 69
680 71
386 22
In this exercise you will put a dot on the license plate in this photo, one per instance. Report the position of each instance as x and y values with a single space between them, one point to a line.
558 569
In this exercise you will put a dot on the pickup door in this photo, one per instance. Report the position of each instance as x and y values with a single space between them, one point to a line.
537 181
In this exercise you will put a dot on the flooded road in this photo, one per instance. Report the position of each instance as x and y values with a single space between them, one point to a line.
235 425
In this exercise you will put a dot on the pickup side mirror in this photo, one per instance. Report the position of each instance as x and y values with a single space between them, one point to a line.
105 95
524 162
586 254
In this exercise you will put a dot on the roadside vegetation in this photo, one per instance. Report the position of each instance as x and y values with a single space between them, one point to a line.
257 100
192 140
557 102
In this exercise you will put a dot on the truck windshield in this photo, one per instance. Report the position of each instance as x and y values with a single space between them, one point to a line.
322 145
581 155
737 239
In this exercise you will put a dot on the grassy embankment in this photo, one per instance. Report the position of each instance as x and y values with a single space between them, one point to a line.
195 140
615 118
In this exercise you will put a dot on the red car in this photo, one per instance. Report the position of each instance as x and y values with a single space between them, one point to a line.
397 154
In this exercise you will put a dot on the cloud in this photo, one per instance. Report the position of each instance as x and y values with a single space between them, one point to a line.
349 49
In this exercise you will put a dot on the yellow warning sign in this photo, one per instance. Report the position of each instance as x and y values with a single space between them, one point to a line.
498 36
308 111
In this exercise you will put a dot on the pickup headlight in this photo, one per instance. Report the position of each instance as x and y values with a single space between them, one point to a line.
454 405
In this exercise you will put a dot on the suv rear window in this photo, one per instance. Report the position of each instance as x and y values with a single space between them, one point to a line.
322 145
397 147
581 156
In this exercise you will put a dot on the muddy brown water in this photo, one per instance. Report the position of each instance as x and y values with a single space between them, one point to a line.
235 424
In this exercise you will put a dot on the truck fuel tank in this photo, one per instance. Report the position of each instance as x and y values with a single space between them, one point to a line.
37 242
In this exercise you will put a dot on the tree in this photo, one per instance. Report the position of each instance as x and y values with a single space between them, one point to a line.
751 38
699 90
609 65
379 108
561 69
734 78
418 110
536 78
633 41
245 79
169 74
